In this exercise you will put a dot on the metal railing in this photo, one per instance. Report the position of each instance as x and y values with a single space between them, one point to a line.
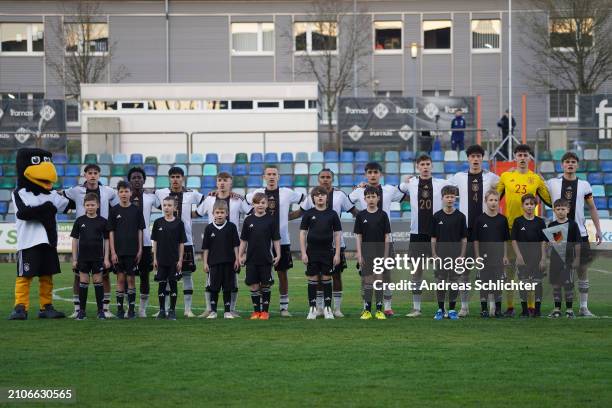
574 143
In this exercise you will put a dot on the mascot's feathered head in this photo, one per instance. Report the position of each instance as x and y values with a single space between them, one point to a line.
35 171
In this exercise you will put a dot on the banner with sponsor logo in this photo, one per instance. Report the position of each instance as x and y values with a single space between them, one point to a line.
32 123
595 112
389 123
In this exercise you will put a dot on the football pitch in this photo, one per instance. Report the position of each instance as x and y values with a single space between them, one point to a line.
294 362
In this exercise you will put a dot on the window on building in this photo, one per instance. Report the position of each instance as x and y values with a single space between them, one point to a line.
563 105
567 33
486 35
387 36
252 38
388 94
299 104
315 36
268 104
87 38
22 95
73 115
22 38
242 104
436 92
437 35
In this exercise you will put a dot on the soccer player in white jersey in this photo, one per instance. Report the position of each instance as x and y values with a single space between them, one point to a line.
578 193
236 205
279 202
338 201
108 198
146 201
388 194
425 194
185 200
472 184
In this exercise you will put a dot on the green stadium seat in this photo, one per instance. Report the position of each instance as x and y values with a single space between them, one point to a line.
592 165
582 176
181 158
300 181
118 170
210 170
241 158
105 158
405 205
74 159
7 182
557 154
239 182
378 157
150 160
91 158
609 190
9 170
313 181
315 168
162 182
544 155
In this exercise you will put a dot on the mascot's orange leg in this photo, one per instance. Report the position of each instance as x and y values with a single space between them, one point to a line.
45 290
22 291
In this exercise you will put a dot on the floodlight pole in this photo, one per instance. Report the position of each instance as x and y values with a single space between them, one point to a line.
354 58
510 130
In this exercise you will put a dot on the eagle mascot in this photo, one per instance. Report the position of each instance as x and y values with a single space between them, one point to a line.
36 204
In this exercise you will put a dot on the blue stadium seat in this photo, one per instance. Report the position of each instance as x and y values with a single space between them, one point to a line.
59 169
485 165
105 170
211 158
598 191
610 202
240 170
256 169
406 155
256 158
391 156
604 154
254 182
437 155
464 166
558 167
136 158
606 166
396 215
104 181
286 180
196 158
361 156
608 178
193 182
316 157
271 158
346 168
393 179
72 170
346 180
209 182
313 181
601 203
60 158
333 167
595 178
391 167
286 157
331 156
150 170
181 158
120 158
347 157
407 167
359 168
437 167
285 168
105 158
4 205
451 167
225 168
301 157
68 182
358 178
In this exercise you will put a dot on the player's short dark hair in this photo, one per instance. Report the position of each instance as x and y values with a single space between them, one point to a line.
450 190
527 197
176 170
318 190
369 190
561 202
475 149
258 198
373 166
220 205
170 198
569 155
91 197
458 110
91 166
271 166
423 157
490 193
123 184
522 148
224 175
328 170
136 170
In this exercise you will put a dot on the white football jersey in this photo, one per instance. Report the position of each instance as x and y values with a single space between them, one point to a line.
390 193
583 192
237 206
460 180
412 189
108 198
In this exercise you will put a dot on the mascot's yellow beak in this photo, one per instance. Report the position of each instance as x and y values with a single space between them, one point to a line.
43 174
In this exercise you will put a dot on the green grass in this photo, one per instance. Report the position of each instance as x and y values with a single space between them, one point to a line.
294 362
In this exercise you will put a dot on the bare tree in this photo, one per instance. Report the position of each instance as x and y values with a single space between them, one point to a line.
334 51
574 46
85 52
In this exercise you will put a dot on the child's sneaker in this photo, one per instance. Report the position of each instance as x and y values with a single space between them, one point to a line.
452 315
585 312
498 314
389 313
204 315
189 314
228 315
235 314
464 312
171 315
285 313
212 315
264 316
255 316
414 313
439 315
109 315
485 314
142 313
121 314
101 315
161 315
338 313
555 313
366 315
131 314
312 313
74 315
569 314
380 315
81 315
328 314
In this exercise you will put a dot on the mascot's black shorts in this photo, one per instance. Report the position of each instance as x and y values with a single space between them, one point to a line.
38 260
